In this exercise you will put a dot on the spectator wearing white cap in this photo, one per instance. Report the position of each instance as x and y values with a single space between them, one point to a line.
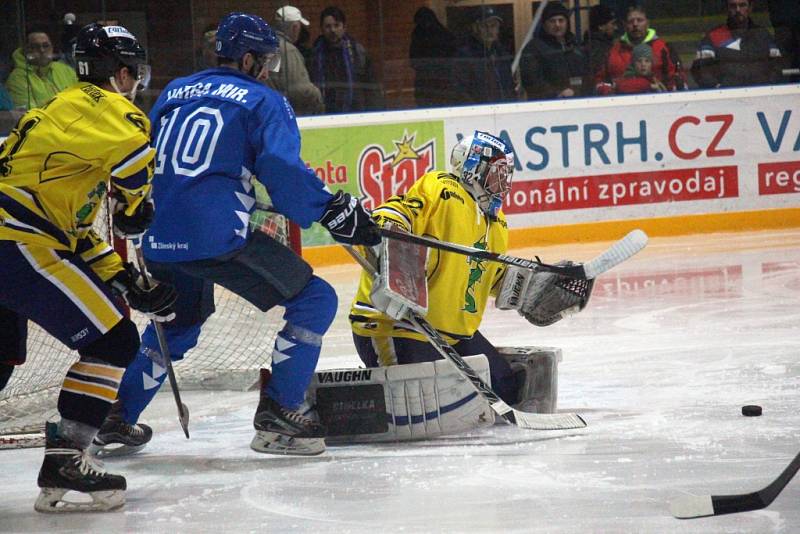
292 79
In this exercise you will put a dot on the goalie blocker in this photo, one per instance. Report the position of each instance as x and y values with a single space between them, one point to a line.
425 400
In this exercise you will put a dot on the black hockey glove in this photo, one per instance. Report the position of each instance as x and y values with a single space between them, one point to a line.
156 302
348 221
132 226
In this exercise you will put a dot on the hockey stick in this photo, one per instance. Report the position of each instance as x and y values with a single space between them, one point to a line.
183 411
534 421
23 439
692 506
613 256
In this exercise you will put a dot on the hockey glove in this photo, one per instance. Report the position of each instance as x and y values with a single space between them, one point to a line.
348 221
550 297
131 226
156 302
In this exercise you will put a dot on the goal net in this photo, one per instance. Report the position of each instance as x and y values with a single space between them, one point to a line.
234 344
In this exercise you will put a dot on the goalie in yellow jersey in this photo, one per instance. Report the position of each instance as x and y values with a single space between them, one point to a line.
55 169
463 208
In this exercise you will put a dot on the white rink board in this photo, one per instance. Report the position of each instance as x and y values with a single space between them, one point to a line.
633 157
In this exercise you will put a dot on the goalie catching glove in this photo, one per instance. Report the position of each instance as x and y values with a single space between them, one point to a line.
543 298
348 221
155 302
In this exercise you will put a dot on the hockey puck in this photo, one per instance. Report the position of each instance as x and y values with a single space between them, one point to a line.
751 410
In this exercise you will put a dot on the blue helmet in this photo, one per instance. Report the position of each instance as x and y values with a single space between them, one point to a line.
240 33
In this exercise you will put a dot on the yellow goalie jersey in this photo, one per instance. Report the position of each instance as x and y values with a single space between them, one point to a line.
458 287
55 168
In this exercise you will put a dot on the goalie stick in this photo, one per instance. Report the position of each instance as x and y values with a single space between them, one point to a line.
183 411
693 506
534 421
613 256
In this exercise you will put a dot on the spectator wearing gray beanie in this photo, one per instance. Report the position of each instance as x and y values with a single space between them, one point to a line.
639 76
600 36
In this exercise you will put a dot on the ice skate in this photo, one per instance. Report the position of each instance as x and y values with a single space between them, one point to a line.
67 468
119 438
282 431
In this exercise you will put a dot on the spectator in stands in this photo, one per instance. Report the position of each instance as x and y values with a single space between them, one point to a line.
552 64
302 44
431 52
737 53
36 78
482 66
292 79
639 77
785 18
600 37
69 35
207 55
341 68
6 103
666 65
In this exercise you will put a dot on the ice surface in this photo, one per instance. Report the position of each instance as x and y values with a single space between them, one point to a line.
671 345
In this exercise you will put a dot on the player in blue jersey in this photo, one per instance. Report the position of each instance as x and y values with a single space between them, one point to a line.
215 131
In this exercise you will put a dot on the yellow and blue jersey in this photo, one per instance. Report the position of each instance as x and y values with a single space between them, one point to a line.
56 165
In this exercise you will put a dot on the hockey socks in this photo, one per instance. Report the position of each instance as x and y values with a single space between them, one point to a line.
144 376
88 391
294 358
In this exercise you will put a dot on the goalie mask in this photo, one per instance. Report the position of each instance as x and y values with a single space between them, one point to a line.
101 51
485 166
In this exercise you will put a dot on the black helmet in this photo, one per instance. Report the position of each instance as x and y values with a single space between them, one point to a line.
100 51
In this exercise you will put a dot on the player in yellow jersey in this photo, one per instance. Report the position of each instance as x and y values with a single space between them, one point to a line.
464 208
55 169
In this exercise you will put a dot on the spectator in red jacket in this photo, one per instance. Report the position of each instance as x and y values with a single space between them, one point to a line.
639 77
666 65
737 53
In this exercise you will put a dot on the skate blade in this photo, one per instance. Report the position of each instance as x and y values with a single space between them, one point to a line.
275 443
51 500
110 450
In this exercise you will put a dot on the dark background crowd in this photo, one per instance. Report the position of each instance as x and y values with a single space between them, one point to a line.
361 55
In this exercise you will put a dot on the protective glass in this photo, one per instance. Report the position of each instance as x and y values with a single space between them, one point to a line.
270 60
143 75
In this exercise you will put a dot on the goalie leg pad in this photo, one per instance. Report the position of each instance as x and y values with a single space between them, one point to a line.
537 370
399 403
